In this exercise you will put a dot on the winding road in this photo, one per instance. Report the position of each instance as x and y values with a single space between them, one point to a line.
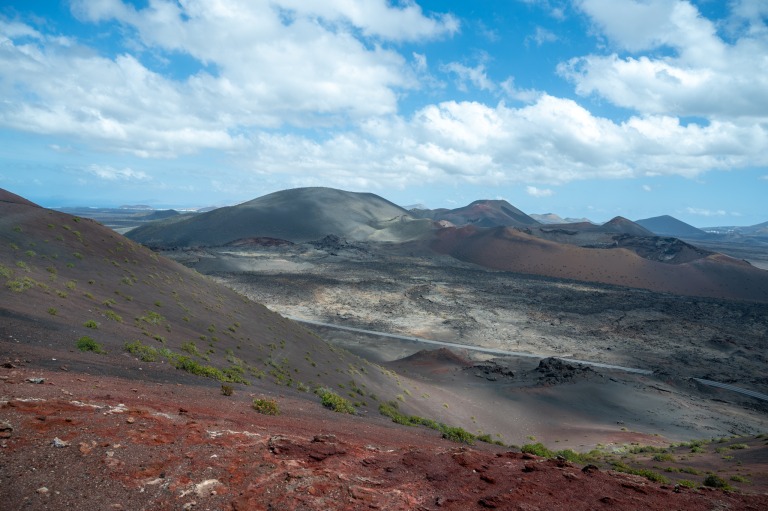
492 351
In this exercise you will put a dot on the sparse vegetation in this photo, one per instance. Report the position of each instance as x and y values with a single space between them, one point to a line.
456 434
91 324
644 472
227 390
113 316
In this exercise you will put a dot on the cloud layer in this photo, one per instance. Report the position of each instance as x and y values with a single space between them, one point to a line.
314 91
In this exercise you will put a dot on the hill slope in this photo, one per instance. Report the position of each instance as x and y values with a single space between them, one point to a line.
481 213
510 249
65 279
298 215
666 225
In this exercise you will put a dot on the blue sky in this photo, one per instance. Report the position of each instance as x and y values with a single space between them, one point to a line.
584 108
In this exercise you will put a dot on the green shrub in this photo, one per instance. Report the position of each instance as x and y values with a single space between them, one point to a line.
86 343
53 311
714 481
91 324
686 483
537 449
459 435
144 352
663 456
644 472
266 406
19 286
113 316
335 402
227 390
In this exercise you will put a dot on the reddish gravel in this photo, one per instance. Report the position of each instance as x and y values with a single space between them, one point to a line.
134 445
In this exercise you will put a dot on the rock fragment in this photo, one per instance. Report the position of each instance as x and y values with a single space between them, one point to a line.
58 442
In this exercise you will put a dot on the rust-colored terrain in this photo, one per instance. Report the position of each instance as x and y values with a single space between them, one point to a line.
102 442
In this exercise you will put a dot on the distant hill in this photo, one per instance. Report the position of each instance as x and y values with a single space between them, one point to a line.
712 275
622 225
666 225
481 213
297 215
552 218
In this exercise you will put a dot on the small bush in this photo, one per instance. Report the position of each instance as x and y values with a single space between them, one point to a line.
227 390
538 449
144 352
86 343
715 481
266 406
91 324
460 435
335 402
53 311
663 456
113 316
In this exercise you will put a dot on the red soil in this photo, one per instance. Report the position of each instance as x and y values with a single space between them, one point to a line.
132 444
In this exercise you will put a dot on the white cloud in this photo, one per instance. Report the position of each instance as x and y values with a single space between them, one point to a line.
552 140
476 76
541 36
538 192
113 174
702 75
647 188
271 64
706 212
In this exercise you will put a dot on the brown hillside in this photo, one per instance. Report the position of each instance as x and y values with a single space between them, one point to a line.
512 250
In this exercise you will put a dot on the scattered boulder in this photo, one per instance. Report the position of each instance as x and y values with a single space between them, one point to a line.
554 371
57 442
5 429
493 370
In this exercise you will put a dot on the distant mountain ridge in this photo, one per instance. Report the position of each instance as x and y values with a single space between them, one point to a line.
481 213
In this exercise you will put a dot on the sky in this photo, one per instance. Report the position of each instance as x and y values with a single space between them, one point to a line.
583 108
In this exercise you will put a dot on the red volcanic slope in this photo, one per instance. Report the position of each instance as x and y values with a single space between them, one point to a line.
133 444
715 276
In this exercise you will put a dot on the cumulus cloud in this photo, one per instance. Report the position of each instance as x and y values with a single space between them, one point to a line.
699 75
552 140
262 65
538 192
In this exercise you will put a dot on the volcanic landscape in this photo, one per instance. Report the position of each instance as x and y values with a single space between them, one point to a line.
483 359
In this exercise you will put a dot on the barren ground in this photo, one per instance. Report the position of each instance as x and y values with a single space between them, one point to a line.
438 298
